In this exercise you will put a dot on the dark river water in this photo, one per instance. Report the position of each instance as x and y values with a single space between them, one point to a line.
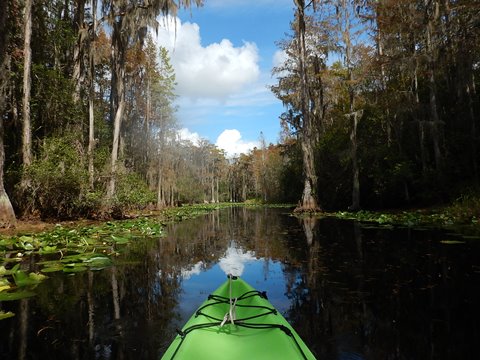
351 291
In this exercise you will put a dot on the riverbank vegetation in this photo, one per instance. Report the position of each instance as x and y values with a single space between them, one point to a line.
74 247
381 112
381 96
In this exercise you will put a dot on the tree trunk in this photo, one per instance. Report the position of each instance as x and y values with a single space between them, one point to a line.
356 181
212 184
471 93
23 328
309 200
4 57
435 119
160 186
91 98
27 63
91 138
7 215
115 294
159 191
79 47
421 122
148 111
115 147
352 114
91 310
117 100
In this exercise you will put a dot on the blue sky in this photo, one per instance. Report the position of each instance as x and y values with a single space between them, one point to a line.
223 54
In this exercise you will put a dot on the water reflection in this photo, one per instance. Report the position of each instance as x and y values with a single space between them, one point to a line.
351 291
234 260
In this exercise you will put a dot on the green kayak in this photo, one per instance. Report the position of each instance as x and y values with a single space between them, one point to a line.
237 322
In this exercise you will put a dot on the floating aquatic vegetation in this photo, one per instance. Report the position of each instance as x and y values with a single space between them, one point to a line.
77 263
76 249
452 242
6 315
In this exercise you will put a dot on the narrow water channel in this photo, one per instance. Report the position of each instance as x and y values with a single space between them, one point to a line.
352 291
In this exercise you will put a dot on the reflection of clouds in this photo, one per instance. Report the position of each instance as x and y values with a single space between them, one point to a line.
195 270
233 262
185 272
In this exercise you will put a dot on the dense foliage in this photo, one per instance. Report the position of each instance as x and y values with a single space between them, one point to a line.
392 91
381 110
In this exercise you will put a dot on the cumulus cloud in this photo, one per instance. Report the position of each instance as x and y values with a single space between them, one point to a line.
185 134
231 141
216 71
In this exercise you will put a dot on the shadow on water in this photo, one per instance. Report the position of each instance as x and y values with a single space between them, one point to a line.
351 291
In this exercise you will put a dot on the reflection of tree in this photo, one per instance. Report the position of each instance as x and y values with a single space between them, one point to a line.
379 294
353 291
91 310
23 319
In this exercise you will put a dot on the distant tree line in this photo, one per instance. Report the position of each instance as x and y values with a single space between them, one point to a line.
381 100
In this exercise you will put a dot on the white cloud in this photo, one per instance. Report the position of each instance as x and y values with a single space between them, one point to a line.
185 134
279 57
231 141
196 269
217 70
233 262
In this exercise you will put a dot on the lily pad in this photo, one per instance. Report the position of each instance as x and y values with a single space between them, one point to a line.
4 284
6 315
53 268
48 250
451 242
23 279
120 239
16 295
98 262
74 269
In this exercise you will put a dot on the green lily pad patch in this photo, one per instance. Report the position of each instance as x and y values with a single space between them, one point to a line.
23 279
77 263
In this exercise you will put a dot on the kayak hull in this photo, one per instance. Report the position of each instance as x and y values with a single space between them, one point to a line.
257 330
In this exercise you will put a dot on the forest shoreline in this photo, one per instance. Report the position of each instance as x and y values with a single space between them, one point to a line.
464 213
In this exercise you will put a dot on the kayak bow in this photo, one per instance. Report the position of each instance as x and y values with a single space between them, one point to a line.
237 322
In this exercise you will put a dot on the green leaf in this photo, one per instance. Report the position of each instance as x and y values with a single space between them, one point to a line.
452 242
23 279
75 269
53 268
48 249
6 315
17 295
119 239
98 262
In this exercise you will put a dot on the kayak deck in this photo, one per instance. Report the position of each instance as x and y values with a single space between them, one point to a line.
237 322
